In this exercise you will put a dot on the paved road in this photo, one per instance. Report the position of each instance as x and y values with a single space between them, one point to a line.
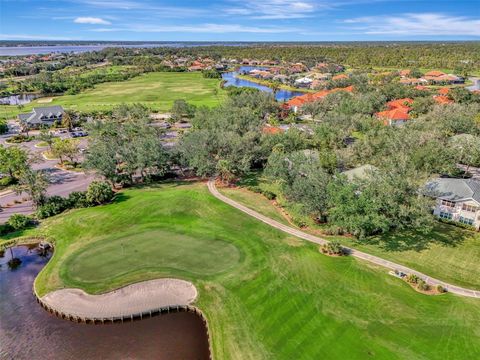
358 254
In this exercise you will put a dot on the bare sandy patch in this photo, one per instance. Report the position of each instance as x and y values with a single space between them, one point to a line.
126 301
45 100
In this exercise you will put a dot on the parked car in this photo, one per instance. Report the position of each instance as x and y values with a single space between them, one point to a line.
76 134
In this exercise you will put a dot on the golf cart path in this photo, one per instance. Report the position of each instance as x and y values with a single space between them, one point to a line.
129 300
358 254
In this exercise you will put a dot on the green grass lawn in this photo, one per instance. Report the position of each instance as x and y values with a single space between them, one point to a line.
447 253
155 90
266 294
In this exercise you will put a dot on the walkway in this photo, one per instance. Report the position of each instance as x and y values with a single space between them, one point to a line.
358 254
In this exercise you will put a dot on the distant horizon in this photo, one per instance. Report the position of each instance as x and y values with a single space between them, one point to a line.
240 20
113 41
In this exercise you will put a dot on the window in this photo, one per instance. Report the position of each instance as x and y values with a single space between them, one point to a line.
448 203
470 208
445 215
466 221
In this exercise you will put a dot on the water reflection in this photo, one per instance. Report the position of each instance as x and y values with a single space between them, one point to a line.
21 99
231 80
29 332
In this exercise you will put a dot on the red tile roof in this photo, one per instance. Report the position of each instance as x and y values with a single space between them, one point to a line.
400 103
303 99
444 91
271 130
340 77
395 114
442 99
435 73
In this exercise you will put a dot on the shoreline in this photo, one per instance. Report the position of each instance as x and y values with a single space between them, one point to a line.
45 303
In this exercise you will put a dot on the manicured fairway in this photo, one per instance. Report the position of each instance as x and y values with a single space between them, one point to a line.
155 90
266 295
447 253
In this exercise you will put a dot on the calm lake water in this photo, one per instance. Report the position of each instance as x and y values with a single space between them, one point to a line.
231 80
21 99
28 332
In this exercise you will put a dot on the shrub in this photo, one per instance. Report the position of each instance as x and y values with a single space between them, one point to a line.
99 192
19 221
422 285
255 189
333 248
7 180
440 289
412 278
78 199
20 138
334 230
5 229
269 195
3 127
53 206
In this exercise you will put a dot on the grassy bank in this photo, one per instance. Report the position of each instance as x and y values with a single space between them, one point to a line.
158 91
267 295
447 252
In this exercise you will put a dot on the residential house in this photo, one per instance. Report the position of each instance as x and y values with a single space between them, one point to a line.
303 82
197 66
397 112
297 102
442 100
413 81
438 77
405 73
456 199
272 130
41 116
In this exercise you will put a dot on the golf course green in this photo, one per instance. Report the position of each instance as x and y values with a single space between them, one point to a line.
156 90
266 295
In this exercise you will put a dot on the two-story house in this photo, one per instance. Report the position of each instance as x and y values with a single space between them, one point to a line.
456 199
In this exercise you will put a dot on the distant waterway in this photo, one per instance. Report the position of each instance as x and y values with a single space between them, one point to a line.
231 79
27 331
22 50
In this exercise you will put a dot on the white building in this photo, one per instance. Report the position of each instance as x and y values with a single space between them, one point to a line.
456 200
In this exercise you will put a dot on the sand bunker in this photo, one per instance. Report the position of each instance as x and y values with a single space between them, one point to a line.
126 301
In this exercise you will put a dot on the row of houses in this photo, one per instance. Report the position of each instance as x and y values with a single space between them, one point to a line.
430 78
398 110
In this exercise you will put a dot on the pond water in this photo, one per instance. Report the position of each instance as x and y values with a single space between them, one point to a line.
232 80
27 331
21 99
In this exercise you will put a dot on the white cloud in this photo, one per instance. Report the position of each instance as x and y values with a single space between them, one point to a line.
91 20
275 9
202 28
418 24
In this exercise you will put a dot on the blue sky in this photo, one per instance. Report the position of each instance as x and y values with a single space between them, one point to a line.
240 20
